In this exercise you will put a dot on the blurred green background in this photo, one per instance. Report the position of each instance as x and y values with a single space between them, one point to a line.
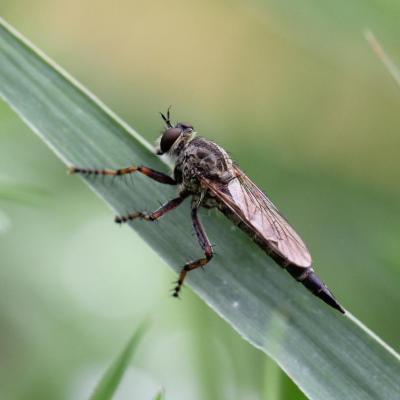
296 95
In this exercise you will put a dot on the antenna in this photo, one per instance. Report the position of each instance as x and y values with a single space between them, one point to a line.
167 118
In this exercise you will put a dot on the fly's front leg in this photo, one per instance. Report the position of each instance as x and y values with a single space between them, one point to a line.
151 173
155 215
205 245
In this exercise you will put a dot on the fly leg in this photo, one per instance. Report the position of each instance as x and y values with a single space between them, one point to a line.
151 173
205 245
155 215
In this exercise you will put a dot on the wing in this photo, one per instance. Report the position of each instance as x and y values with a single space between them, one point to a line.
257 211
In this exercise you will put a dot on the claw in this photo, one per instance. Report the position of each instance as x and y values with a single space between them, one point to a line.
71 170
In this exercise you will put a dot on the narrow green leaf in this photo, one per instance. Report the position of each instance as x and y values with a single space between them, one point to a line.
328 355
20 193
111 379
381 54
5 222
273 375
160 395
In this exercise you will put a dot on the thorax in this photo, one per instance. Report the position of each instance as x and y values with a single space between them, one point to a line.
202 158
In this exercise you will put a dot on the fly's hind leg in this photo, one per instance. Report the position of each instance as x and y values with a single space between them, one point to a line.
151 173
155 215
205 245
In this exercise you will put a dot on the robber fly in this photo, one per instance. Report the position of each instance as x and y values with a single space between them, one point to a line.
206 173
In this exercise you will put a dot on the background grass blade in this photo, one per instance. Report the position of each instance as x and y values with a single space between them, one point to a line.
111 379
160 395
328 355
21 193
381 54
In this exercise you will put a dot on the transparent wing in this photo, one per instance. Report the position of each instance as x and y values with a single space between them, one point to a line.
256 210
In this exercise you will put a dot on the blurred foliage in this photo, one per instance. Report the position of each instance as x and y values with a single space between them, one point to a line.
106 388
380 53
293 91
160 395
20 193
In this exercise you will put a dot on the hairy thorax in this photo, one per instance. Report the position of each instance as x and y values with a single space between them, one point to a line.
202 158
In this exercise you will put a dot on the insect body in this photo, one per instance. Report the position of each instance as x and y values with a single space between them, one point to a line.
205 172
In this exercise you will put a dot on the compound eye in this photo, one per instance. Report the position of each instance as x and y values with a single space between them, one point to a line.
185 126
168 138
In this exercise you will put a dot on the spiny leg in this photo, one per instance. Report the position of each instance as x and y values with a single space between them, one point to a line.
155 215
205 245
151 173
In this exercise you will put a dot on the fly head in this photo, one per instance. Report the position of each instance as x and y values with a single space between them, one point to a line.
174 137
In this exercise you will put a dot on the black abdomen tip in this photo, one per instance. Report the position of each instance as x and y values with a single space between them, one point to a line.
314 284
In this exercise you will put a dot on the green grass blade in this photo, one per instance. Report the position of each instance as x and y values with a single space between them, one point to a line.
160 395
328 355
21 193
111 379
5 222
381 54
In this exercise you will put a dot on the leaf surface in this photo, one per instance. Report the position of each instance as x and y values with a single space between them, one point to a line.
328 355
